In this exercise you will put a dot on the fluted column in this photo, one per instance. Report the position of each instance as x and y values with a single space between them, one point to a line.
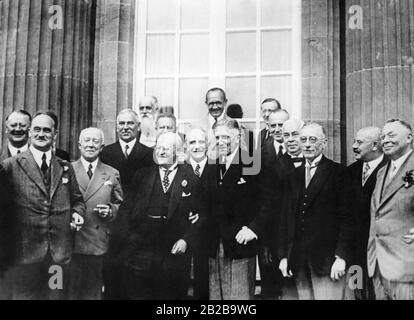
321 68
380 56
44 62
114 42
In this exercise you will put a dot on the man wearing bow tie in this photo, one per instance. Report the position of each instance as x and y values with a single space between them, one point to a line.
157 236
101 190
314 229
47 209
360 180
391 239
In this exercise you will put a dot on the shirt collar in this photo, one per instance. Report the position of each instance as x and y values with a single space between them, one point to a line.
37 155
375 163
212 120
130 144
173 168
230 158
87 163
300 156
277 146
399 162
314 162
13 150
202 163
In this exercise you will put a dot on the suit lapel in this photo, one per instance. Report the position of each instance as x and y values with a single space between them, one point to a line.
318 180
81 176
56 172
96 183
29 165
176 192
396 182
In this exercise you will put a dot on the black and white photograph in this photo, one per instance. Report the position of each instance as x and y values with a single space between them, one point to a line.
228 152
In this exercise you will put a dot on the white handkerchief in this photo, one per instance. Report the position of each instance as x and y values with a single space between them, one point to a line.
242 181
185 195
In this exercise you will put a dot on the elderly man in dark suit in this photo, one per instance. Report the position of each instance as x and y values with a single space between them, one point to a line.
360 180
101 189
154 253
315 231
268 106
47 208
127 155
17 131
391 238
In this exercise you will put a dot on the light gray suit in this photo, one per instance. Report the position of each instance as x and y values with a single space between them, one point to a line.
392 216
92 241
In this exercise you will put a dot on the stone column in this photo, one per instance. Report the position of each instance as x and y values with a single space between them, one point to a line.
380 57
321 68
114 42
44 62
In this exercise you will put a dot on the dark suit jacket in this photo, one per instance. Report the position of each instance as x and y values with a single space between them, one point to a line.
132 230
327 228
358 201
103 188
237 206
41 220
140 157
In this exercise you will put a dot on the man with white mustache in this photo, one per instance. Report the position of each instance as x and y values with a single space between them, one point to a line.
148 109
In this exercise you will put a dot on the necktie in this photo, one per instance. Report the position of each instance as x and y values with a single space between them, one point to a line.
365 173
90 173
44 166
19 152
126 151
391 173
308 171
280 153
197 170
297 160
166 180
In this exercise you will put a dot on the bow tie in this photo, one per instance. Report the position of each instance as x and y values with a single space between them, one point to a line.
297 159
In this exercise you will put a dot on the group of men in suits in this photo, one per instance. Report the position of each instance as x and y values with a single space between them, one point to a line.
133 217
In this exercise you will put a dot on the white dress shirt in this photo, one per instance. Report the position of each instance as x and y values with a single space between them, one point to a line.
14 151
396 164
130 145
277 146
202 164
313 165
171 175
299 156
212 120
38 155
86 165
373 164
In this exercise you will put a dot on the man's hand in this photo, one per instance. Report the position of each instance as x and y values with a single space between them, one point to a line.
103 210
283 267
77 222
245 235
338 269
180 247
409 238
193 218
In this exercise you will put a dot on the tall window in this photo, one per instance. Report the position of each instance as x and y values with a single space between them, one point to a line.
251 48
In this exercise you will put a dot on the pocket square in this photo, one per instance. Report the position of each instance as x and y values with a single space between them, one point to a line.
65 180
242 181
108 183
185 195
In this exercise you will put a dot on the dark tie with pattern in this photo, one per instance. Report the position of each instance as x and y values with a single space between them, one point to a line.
90 173
197 170
44 166
166 180
126 154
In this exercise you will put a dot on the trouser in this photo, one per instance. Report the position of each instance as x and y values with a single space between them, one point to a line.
201 275
270 278
85 281
391 290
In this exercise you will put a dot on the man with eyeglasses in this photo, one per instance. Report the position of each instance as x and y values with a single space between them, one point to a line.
314 229
391 239
47 207
361 177
148 109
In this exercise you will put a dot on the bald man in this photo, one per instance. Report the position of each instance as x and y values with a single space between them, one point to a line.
101 190
157 234
361 177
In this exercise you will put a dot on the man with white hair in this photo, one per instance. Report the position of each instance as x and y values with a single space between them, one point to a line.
157 234
148 109
101 190
314 229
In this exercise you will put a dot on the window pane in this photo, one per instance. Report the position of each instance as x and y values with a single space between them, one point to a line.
161 15
195 14
241 52
276 13
192 94
160 54
241 13
194 53
242 91
276 51
163 89
279 88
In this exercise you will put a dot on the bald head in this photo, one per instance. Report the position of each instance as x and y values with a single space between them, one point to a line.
367 144
166 149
